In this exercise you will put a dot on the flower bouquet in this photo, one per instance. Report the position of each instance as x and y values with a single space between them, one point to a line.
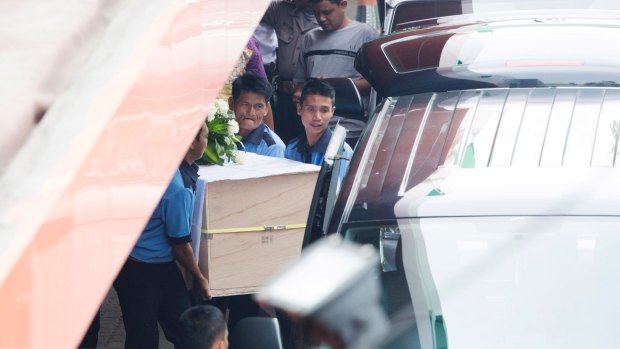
223 140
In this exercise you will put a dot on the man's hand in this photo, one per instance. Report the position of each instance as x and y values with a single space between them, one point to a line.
297 94
201 286
185 256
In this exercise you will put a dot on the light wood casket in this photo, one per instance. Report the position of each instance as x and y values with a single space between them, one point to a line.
253 221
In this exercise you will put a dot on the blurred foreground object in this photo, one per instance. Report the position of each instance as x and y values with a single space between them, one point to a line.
333 291
117 90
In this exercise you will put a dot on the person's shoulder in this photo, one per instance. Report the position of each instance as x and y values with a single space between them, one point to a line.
314 34
291 152
273 137
294 141
370 32
176 190
176 182
292 144
275 146
277 10
281 7
364 27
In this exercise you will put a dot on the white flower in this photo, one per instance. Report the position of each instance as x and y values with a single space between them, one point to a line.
233 127
221 105
211 110
240 157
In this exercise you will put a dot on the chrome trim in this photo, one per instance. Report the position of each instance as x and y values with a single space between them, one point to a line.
416 144
516 141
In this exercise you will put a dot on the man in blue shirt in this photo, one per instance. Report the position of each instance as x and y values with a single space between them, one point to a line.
150 286
249 101
316 108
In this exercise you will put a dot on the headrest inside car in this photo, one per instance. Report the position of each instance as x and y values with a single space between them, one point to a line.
348 99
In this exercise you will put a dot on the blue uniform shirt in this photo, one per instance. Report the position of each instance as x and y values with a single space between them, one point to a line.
170 222
299 150
263 141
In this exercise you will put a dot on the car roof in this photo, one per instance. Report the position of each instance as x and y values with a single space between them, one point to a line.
514 192
525 51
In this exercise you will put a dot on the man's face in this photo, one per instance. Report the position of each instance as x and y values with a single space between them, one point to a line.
250 109
315 112
329 15
200 144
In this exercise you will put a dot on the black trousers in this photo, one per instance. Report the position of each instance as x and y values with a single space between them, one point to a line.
149 293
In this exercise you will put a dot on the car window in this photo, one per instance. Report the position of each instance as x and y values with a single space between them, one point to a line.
535 127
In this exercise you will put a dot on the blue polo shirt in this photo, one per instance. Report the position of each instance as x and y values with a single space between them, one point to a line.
299 150
263 141
171 220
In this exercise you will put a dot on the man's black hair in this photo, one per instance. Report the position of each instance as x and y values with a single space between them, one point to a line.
201 325
251 83
318 87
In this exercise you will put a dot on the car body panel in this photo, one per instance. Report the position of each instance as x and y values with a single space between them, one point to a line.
524 52
516 282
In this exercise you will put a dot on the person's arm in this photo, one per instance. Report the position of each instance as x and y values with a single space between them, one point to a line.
255 64
177 211
275 151
270 17
185 256
301 74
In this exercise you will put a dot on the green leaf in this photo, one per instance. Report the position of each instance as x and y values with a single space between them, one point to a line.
219 129
212 156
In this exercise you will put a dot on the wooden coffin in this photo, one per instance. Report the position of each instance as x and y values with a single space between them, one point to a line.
253 221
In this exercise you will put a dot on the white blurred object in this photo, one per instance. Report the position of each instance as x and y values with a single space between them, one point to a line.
43 46
335 283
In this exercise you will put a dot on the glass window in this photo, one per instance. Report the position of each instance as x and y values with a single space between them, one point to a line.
608 132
